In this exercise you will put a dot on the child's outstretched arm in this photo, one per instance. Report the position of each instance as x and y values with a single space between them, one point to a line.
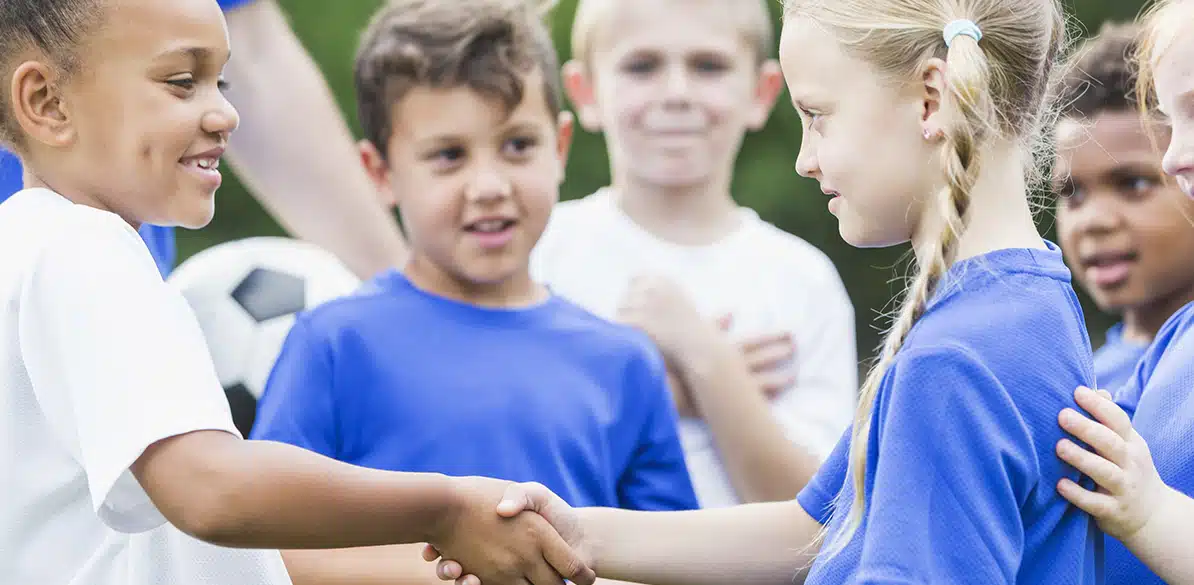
1132 504
768 543
140 408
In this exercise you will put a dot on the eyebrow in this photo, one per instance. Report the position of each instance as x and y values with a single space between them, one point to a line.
197 54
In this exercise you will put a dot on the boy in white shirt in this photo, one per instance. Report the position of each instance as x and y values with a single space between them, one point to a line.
674 86
112 421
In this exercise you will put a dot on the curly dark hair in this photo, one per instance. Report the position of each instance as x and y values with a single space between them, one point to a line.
1104 77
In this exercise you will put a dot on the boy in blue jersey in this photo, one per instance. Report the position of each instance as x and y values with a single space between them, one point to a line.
917 118
271 62
1123 227
1147 507
460 363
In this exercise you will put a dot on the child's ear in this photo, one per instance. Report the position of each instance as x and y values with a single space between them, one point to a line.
379 172
932 89
767 90
564 131
579 87
38 105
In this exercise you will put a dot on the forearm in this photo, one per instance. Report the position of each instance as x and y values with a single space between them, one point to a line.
258 494
294 150
377 565
762 463
1164 543
746 545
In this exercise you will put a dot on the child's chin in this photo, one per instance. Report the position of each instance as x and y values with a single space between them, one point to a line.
197 217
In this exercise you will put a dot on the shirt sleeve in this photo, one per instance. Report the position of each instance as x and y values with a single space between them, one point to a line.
657 477
297 405
228 5
815 410
818 497
955 464
117 361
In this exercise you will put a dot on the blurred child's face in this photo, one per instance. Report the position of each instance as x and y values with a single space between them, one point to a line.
863 140
674 86
148 119
1126 233
475 187
1174 78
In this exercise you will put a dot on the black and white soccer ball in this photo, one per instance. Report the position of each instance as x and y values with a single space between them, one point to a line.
245 294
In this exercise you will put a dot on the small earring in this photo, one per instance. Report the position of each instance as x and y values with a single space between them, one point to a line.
928 134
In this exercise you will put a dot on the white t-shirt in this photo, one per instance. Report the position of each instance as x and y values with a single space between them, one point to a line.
768 279
98 360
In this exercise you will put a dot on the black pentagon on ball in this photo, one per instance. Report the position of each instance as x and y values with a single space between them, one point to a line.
268 294
244 407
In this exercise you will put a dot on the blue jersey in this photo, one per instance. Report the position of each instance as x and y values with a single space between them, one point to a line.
1116 360
1160 399
961 468
396 378
159 239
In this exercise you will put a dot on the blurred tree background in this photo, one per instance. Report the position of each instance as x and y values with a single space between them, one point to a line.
765 178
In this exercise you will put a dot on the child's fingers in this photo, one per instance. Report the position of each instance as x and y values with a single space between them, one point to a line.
1104 440
1105 410
779 339
449 570
774 383
1106 394
430 553
1105 473
1093 503
769 352
469 580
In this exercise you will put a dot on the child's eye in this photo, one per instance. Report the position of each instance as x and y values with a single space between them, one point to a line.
187 83
639 66
450 154
521 145
1137 186
710 65
1070 194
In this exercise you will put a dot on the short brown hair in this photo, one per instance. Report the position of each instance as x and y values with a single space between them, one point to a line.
486 45
55 29
1103 77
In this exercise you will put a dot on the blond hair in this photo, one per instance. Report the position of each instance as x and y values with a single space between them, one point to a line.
753 21
1161 24
997 88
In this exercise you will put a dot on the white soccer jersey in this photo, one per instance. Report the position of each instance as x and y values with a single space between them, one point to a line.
768 279
98 360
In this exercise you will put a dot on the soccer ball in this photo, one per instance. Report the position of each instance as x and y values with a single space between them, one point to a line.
245 294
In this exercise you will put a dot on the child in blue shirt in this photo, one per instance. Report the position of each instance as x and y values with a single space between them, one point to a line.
1123 227
1147 507
948 473
460 363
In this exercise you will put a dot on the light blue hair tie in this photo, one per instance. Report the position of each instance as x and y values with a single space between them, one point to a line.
961 27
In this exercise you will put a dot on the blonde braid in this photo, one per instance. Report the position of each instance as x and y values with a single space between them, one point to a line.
968 79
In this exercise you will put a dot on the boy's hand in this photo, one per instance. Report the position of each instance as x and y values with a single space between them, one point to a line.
519 498
508 549
768 356
660 309
1130 490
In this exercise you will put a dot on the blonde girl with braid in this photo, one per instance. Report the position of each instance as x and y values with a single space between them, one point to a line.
923 122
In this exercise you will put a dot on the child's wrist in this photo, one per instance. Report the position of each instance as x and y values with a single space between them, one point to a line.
452 505
1167 499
